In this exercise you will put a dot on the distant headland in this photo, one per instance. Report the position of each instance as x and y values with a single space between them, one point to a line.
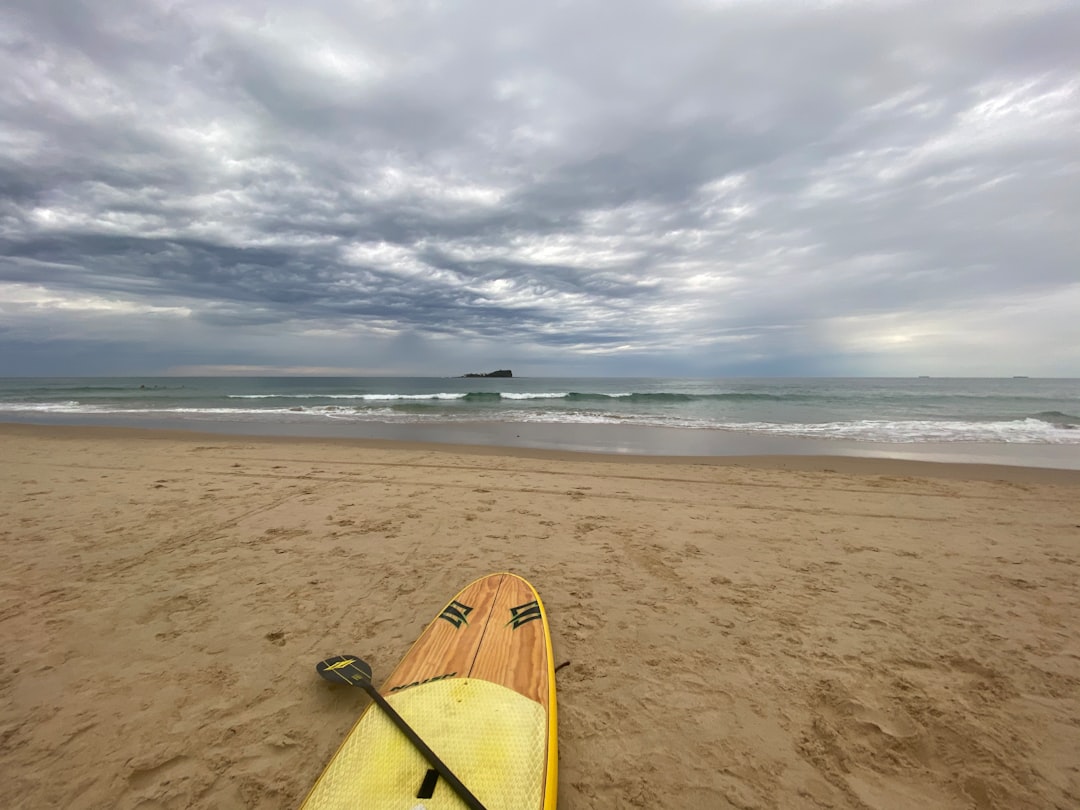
502 372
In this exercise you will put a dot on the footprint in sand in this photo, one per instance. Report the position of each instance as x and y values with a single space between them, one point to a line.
894 723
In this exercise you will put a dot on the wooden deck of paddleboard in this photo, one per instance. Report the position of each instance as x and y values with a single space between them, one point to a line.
478 686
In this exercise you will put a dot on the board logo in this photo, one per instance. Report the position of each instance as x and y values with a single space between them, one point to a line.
523 614
456 613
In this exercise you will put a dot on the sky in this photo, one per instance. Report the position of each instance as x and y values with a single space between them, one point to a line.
673 188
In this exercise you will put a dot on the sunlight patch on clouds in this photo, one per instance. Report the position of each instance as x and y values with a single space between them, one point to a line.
114 222
342 64
882 332
207 136
380 254
723 187
73 84
505 292
395 182
708 282
576 250
585 250
1004 117
20 145
369 327
1021 105
309 44
1012 113
857 174
726 201
600 350
38 299
916 102
394 259
1006 336
626 220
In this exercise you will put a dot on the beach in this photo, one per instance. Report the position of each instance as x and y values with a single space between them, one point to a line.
738 632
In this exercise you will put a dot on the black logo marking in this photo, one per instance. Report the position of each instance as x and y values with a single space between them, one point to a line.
456 613
523 614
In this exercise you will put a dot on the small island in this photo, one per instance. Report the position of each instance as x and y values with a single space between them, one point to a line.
502 372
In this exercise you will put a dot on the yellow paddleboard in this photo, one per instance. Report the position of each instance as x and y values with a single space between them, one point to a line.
478 687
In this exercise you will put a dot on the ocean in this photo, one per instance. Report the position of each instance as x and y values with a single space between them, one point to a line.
647 415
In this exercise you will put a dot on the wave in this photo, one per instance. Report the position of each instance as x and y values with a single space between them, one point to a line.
468 396
1044 427
69 406
527 395
572 396
846 400
495 396
1059 419
576 396
1028 430
661 397
354 397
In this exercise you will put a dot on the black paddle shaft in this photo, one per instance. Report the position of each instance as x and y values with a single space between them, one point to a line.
360 675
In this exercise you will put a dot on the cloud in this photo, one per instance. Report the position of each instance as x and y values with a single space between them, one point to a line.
698 188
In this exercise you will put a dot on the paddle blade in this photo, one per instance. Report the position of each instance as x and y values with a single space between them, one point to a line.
350 669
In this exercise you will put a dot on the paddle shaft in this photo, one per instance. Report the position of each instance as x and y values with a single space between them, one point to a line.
439 766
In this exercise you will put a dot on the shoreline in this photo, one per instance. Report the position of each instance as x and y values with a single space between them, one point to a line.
806 462
612 442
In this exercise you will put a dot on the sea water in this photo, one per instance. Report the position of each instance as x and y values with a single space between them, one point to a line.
1016 411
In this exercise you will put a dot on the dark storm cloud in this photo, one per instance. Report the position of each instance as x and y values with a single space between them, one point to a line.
628 187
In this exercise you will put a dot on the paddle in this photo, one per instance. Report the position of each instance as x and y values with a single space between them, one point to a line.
354 671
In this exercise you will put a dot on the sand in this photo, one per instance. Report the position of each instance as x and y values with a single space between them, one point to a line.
748 633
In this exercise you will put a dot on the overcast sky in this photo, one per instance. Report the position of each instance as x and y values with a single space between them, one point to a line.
678 187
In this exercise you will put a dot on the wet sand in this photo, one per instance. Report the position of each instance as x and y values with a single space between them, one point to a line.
755 632
603 439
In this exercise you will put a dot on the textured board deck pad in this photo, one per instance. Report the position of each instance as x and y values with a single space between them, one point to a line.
478 686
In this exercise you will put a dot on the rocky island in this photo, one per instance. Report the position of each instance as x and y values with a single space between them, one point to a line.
502 372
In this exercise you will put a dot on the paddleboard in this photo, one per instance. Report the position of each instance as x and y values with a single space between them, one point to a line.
478 687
